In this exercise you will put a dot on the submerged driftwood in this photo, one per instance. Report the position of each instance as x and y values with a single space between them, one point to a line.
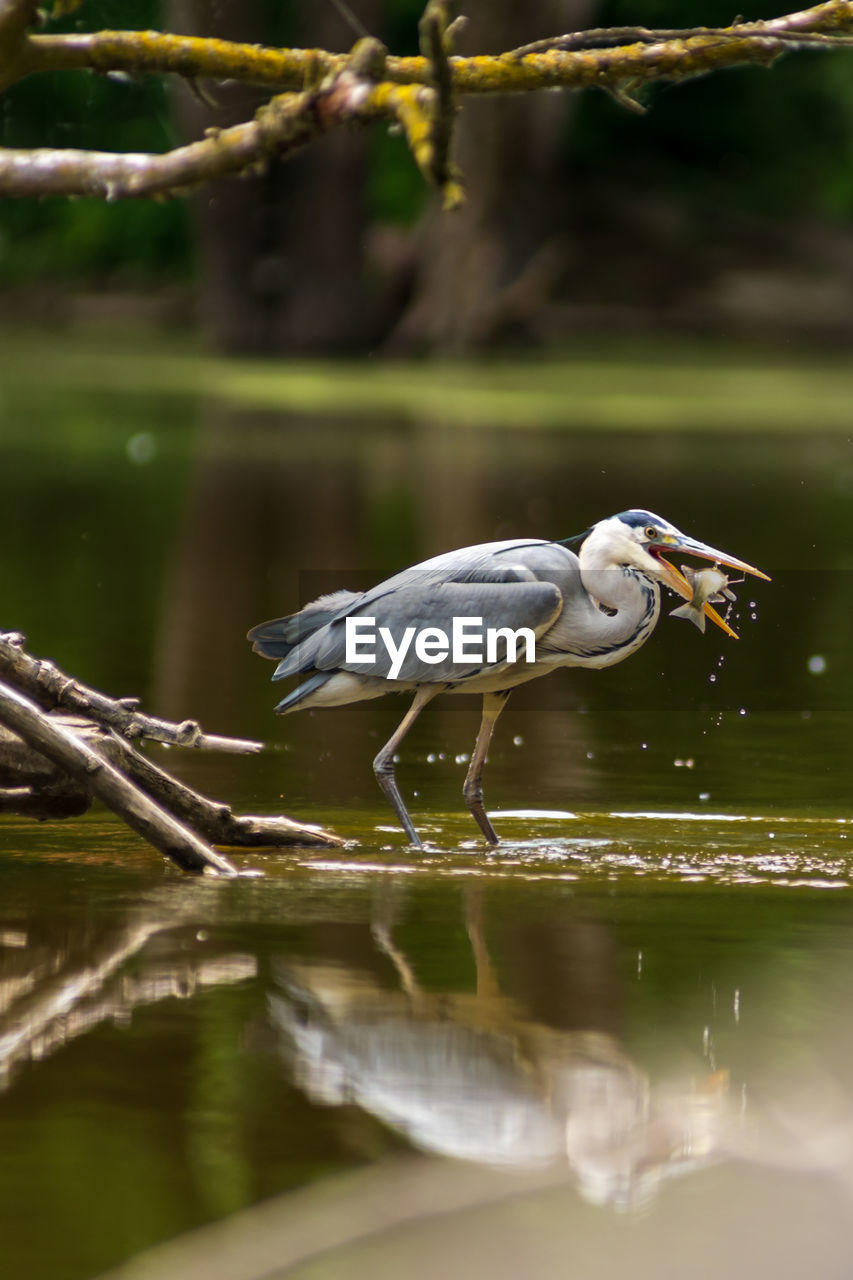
63 744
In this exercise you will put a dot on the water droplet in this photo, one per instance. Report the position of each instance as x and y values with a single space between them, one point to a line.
431 758
736 1005
590 755
141 448
645 746
712 679
741 711
817 664
704 795
517 740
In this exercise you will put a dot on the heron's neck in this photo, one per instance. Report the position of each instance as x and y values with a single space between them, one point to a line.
624 608
618 587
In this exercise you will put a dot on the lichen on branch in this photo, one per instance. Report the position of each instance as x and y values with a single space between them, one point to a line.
319 90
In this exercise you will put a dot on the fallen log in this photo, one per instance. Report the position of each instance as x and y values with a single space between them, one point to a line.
108 784
43 681
52 764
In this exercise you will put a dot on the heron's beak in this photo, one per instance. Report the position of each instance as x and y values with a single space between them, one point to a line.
675 579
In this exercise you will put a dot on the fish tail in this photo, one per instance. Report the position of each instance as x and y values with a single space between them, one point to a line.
696 616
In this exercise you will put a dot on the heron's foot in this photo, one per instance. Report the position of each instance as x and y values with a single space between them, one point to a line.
474 800
487 829
383 768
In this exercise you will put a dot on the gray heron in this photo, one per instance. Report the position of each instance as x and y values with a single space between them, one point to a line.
592 608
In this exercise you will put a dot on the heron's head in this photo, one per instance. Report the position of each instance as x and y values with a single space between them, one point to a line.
638 539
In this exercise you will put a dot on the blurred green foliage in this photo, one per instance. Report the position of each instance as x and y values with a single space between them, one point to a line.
89 238
776 143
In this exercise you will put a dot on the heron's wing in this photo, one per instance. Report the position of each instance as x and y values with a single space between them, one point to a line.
317 635
510 561
501 607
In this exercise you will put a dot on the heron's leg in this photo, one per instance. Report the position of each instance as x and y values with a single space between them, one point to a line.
493 705
383 765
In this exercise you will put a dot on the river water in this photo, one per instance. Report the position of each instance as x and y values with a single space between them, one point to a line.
621 1038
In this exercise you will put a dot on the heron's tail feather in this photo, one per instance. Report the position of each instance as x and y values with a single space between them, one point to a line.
302 691
272 639
276 638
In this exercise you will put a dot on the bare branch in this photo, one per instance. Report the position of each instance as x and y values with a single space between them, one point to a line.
198 58
216 822
33 785
194 57
50 687
436 46
284 124
281 126
76 757
327 90
612 37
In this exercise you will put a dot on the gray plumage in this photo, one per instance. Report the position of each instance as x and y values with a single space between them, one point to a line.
591 609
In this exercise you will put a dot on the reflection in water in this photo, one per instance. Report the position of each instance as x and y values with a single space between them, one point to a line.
526 1071
501 1079
492 1024
51 994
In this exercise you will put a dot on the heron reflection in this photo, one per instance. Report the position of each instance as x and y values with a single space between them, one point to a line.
523 1078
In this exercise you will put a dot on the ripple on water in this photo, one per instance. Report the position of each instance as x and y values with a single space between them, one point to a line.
724 848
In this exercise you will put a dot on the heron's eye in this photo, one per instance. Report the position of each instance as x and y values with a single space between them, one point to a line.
650 532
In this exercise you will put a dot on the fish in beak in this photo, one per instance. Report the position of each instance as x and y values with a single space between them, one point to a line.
682 586
710 586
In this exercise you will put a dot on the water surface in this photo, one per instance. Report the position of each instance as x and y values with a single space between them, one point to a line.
633 1017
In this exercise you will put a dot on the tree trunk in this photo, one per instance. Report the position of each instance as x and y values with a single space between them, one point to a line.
282 252
485 271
